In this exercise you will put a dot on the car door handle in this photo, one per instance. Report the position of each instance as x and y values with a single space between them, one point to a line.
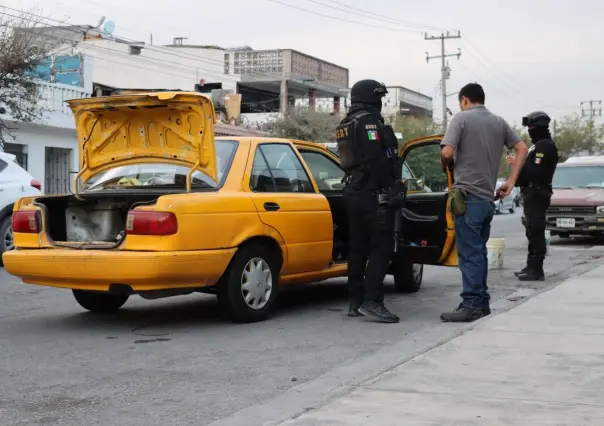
271 207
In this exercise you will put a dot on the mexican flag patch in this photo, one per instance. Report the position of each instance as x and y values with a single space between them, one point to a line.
373 135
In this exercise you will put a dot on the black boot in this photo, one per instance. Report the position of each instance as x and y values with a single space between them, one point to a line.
464 314
522 271
353 309
377 312
532 275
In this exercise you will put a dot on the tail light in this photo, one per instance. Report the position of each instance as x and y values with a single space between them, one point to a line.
151 223
36 184
27 222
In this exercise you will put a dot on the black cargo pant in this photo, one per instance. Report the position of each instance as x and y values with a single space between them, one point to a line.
371 243
536 203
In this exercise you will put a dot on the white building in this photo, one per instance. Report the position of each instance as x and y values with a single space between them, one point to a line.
48 148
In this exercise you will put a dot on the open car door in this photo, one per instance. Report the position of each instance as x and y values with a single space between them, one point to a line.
427 236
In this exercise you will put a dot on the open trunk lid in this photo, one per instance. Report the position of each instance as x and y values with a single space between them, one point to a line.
166 127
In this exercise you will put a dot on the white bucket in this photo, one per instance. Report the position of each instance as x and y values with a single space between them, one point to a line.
496 247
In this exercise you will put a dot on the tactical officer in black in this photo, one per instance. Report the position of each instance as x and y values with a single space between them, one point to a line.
368 154
535 182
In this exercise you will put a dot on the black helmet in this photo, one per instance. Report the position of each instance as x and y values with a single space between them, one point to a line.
536 119
367 92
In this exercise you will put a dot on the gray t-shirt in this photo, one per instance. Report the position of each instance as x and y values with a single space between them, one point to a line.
478 136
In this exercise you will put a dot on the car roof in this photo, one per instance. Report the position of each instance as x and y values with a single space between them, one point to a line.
274 140
583 161
7 157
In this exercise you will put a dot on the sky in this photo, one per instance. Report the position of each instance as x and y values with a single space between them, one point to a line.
528 55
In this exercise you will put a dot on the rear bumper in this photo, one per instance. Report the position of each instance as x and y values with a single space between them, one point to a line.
99 269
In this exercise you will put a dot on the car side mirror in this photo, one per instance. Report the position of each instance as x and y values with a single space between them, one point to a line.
414 185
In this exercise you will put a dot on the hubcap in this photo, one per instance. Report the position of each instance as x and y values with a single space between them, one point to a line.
256 283
418 271
9 240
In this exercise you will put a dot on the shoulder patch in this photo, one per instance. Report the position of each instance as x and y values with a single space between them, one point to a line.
370 127
539 154
372 135
538 160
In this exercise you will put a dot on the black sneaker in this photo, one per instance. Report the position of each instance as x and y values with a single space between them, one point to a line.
353 310
465 314
378 312
531 276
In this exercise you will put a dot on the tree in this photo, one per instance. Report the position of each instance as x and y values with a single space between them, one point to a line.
304 124
574 135
22 48
415 127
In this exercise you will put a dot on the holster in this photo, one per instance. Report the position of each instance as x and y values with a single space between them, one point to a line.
457 201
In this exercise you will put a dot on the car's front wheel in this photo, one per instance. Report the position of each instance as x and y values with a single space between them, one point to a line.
407 276
7 240
248 290
100 303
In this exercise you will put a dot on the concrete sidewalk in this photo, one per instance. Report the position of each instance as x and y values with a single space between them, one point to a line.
541 363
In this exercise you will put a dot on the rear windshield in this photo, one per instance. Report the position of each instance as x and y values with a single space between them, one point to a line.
579 177
158 175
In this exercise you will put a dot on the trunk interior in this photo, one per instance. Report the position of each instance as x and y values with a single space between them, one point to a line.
95 221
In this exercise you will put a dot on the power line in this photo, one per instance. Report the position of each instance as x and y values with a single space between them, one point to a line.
445 70
351 10
342 19
86 46
151 48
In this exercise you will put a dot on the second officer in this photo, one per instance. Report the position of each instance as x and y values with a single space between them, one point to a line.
535 182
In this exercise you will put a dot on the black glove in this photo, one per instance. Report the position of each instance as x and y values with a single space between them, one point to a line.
396 197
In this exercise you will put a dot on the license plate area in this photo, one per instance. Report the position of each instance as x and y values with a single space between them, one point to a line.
565 222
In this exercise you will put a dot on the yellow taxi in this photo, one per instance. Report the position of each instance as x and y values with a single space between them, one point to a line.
162 208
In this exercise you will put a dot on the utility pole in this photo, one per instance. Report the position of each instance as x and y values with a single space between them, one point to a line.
592 111
445 70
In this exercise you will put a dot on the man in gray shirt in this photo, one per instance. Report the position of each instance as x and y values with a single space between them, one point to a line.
473 148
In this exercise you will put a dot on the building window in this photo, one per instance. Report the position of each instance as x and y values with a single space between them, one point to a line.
135 50
227 63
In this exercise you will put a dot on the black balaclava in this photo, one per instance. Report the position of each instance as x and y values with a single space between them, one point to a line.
538 133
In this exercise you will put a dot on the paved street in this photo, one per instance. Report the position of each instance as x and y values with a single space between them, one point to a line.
176 361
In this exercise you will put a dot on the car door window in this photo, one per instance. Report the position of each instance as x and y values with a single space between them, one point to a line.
327 172
277 168
426 165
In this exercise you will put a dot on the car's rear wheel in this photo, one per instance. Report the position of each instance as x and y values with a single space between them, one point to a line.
100 303
248 290
7 240
407 276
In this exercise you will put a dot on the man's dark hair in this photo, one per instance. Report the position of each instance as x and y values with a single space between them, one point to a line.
472 91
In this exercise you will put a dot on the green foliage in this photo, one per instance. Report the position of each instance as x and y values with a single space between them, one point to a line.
574 135
415 127
305 124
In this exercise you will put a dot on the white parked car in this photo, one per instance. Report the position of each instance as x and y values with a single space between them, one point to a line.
508 203
15 183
